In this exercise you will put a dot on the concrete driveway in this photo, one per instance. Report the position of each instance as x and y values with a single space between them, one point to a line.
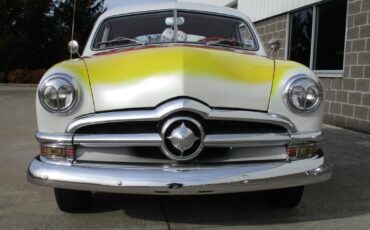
341 203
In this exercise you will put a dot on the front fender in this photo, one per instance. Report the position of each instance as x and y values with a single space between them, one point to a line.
285 70
47 122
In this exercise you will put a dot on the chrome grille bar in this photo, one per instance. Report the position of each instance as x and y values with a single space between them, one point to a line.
176 106
117 140
246 140
154 139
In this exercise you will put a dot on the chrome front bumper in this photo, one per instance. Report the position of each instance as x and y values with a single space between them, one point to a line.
180 180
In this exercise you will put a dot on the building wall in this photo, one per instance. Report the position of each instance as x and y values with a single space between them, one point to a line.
275 27
261 9
348 99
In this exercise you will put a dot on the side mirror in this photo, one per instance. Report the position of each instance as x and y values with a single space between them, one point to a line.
73 47
275 45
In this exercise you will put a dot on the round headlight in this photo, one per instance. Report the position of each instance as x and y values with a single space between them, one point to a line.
59 94
303 94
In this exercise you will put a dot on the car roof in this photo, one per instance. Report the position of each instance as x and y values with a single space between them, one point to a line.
137 8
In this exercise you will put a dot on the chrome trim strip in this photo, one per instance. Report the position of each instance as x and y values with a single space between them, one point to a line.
61 138
154 139
306 137
290 126
176 106
55 161
117 140
184 180
246 140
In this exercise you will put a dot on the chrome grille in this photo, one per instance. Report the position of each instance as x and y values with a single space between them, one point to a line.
230 135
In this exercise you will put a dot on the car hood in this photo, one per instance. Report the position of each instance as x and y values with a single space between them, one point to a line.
146 77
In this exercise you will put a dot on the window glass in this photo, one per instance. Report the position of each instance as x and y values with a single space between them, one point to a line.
216 30
331 26
144 28
208 26
246 36
301 35
329 37
191 27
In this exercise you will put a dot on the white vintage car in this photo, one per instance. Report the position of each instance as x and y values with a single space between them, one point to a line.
177 99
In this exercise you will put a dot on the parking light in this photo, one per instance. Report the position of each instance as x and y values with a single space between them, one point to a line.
303 150
58 152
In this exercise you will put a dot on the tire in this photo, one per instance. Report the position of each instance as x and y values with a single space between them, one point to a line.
285 198
73 201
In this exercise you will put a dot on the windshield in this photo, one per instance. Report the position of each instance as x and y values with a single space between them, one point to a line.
174 26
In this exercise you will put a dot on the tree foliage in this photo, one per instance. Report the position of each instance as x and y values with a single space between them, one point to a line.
34 34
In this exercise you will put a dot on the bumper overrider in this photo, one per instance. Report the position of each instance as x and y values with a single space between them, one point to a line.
179 178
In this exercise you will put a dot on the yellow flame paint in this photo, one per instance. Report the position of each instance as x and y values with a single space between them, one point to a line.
282 69
77 68
180 60
126 66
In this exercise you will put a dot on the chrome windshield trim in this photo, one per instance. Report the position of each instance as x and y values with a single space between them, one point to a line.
175 106
117 140
246 140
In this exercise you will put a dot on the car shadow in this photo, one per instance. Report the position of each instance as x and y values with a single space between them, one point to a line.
333 199
347 194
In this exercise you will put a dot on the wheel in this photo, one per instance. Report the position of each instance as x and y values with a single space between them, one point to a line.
284 198
72 200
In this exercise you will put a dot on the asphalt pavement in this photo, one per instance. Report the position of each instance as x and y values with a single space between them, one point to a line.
341 203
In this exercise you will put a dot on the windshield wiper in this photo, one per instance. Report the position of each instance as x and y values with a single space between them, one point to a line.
121 40
228 42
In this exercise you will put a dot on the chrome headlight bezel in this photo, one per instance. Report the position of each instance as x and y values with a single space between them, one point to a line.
305 83
58 81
